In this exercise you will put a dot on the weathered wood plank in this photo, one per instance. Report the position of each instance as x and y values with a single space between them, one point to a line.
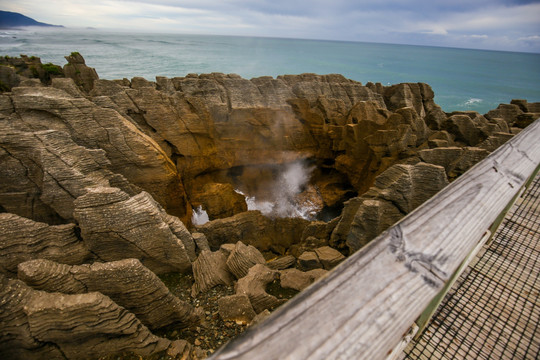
364 306
424 318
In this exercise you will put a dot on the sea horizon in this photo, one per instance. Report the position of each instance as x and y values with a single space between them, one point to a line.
462 78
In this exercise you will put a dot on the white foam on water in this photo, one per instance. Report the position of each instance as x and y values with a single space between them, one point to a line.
472 101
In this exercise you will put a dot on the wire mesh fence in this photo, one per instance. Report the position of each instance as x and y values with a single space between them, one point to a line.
494 311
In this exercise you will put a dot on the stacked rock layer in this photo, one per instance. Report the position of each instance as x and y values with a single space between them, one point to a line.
98 179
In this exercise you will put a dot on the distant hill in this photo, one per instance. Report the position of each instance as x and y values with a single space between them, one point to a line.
10 19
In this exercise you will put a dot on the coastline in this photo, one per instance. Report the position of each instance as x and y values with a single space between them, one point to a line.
456 75
100 177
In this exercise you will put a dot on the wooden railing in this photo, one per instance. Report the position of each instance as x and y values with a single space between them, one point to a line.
367 304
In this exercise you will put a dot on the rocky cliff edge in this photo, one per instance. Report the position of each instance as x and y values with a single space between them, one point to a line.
99 179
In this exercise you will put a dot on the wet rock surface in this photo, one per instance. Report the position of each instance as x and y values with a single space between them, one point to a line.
98 179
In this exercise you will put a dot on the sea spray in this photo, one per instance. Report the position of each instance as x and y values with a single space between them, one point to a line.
199 216
285 191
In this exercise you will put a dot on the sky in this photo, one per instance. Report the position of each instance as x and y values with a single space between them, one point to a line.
512 25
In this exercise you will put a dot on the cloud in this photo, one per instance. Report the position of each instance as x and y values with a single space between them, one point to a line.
435 30
435 22
475 36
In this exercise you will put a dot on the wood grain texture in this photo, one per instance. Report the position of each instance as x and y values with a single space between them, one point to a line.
366 304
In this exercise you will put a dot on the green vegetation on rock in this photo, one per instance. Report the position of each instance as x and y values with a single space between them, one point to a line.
52 69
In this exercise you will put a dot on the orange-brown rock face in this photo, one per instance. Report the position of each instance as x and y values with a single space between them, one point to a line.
173 137
224 129
108 171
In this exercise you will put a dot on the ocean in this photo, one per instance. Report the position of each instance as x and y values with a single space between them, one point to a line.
462 79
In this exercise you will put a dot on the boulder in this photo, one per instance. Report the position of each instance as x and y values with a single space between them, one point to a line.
317 274
246 227
469 157
464 129
210 269
318 229
442 156
14 71
37 325
253 228
440 139
458 160
507 112
116 226
405 95
524 120
396 192
236 308
22 239
299 280
8 78
294 279
408 186
329 257
254 286
309 260
259 318
371 219
67 85
127 282
341 231
315 235
281 262
227 249
242 258
77 69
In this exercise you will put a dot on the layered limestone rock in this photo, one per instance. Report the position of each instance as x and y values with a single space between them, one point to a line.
130 152
254 286
109 170
396 192
197 131
282 262
299 280
116 226
37 325
22 239
236 308
45 171
210 269
242 258
14 70
457 160
221 200
252 228
76 69
127 282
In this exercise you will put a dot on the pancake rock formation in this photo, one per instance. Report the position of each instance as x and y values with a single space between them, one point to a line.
99 180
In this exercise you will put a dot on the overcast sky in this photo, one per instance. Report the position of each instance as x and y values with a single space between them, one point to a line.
485 24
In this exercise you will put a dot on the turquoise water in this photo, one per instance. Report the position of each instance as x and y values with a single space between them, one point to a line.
462 79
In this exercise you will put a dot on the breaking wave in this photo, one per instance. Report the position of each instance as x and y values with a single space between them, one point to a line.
471 102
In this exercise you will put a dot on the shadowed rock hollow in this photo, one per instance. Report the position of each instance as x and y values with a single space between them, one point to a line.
99 179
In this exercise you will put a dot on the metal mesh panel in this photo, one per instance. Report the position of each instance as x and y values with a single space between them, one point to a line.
494 311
